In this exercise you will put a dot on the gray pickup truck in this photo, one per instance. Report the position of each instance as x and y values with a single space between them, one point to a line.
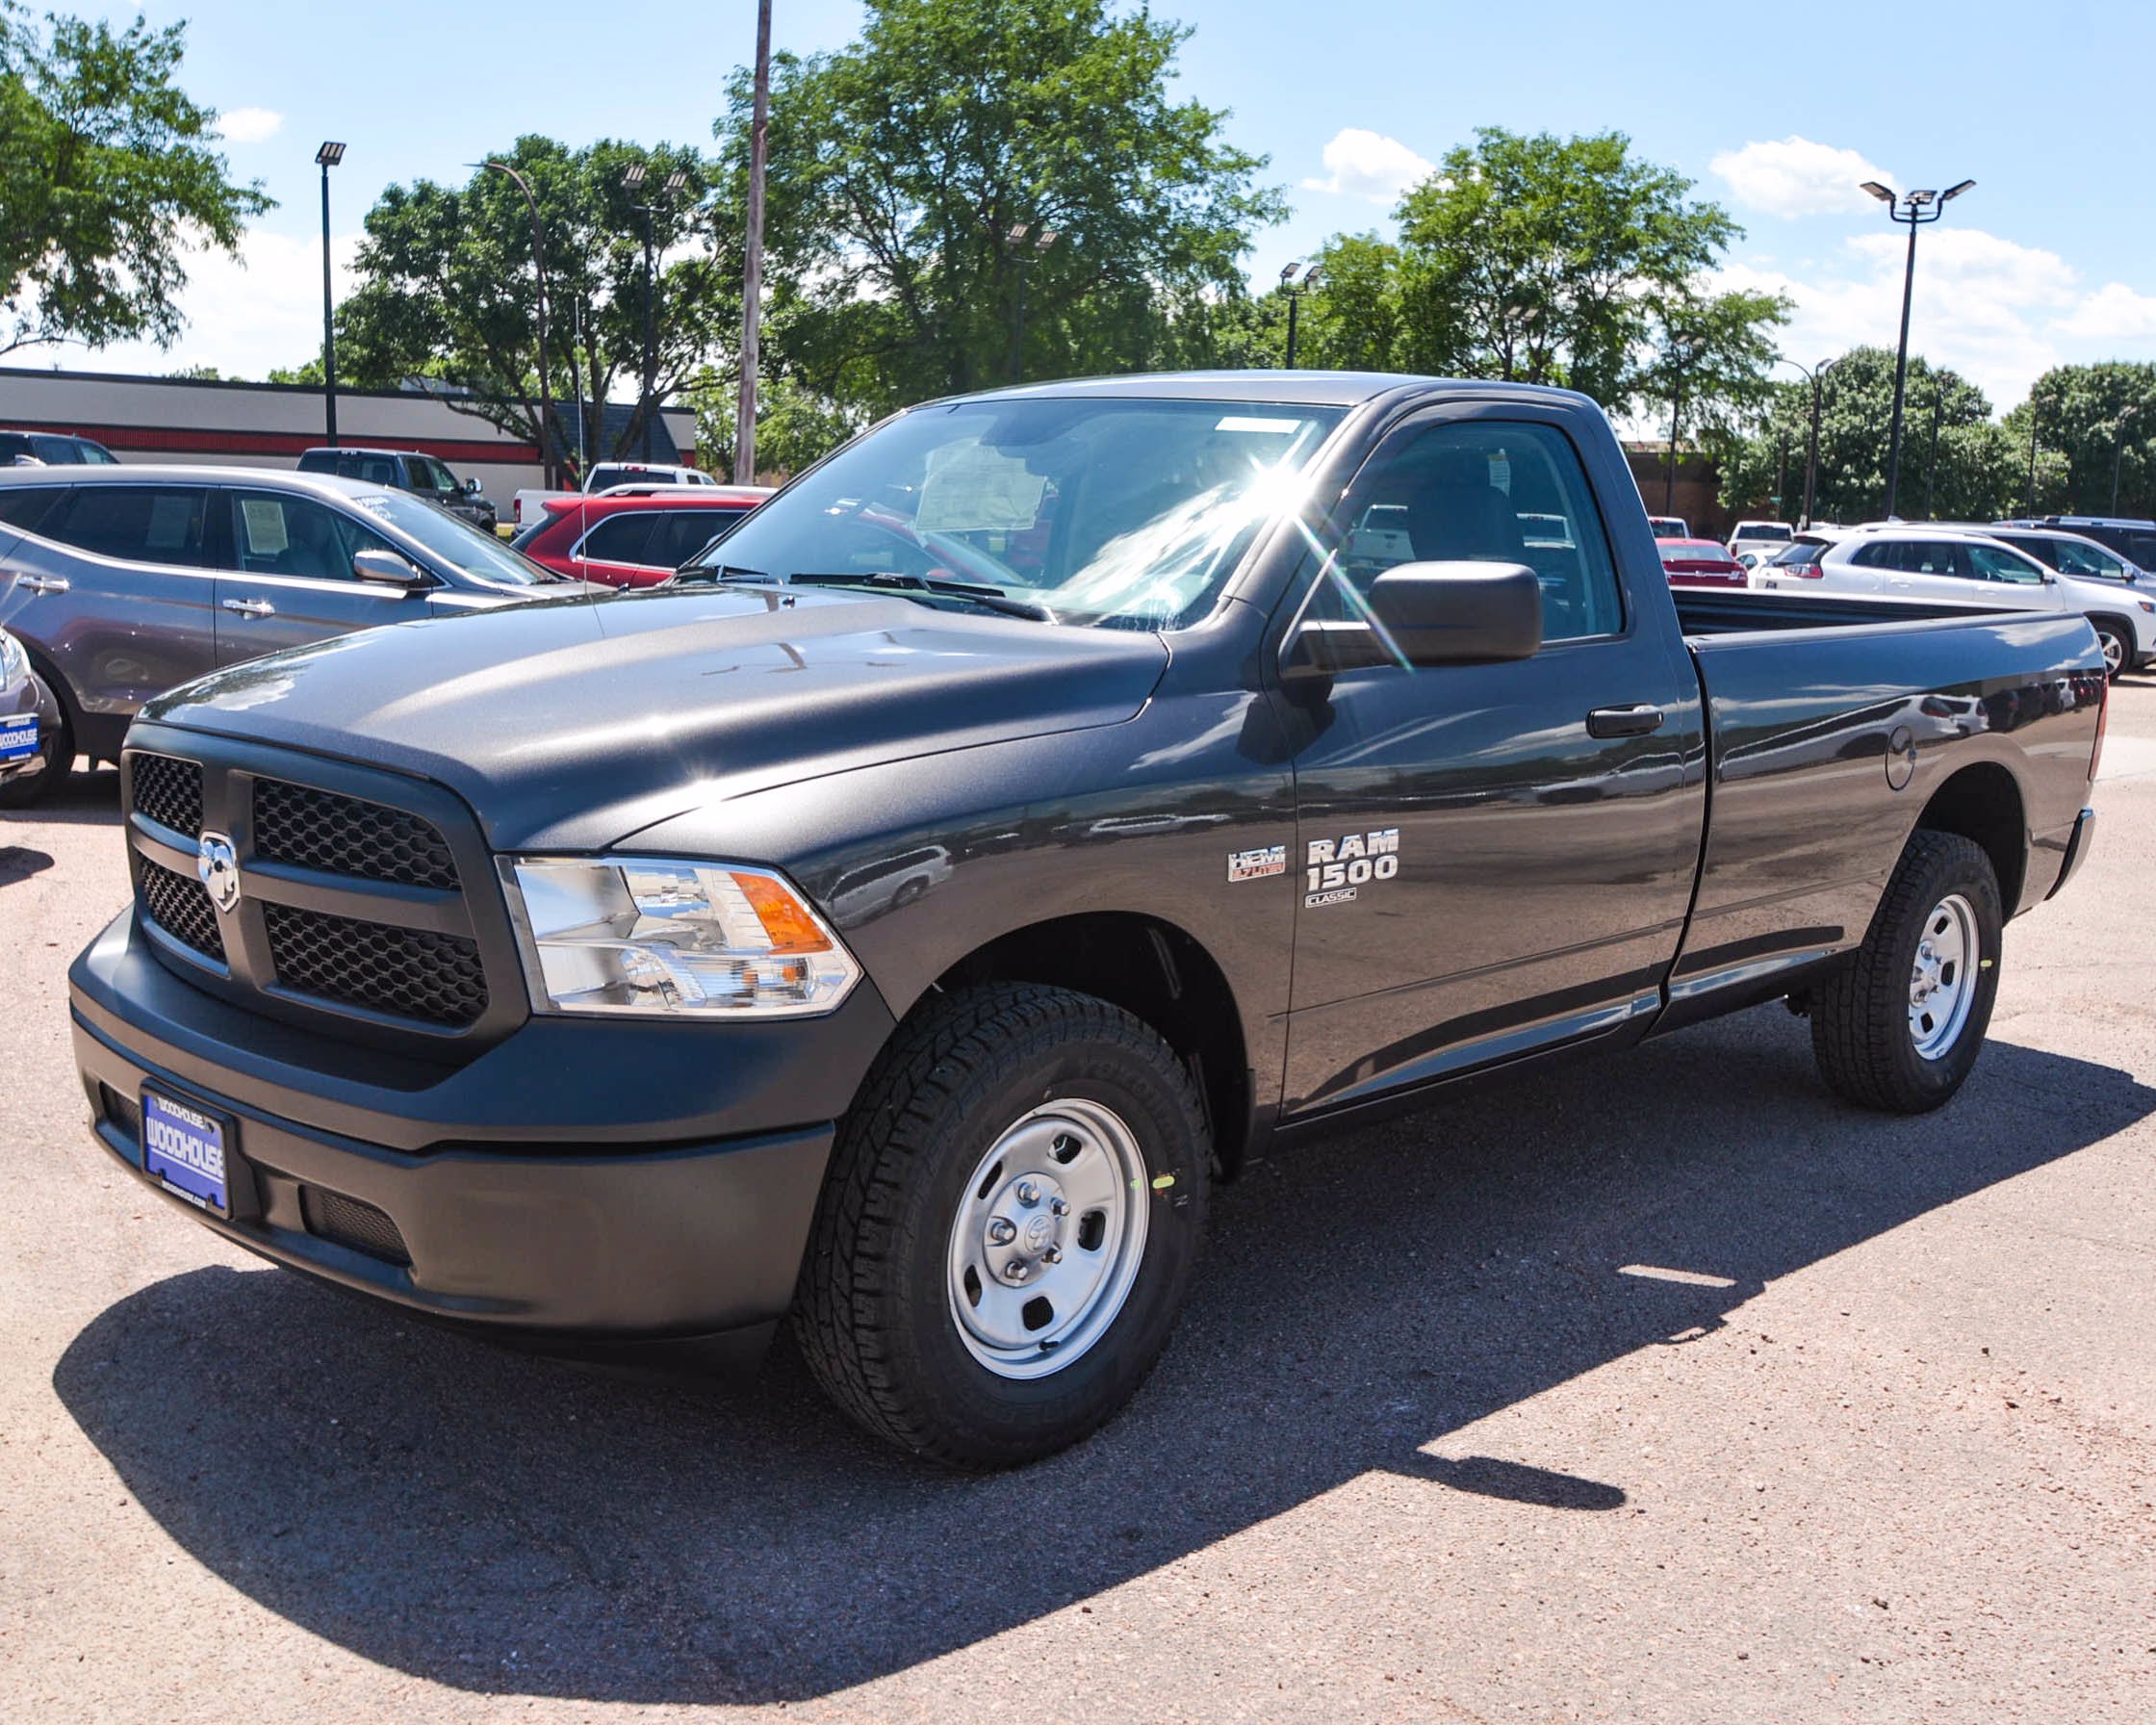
900 921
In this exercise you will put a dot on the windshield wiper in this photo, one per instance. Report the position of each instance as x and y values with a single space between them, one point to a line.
992 599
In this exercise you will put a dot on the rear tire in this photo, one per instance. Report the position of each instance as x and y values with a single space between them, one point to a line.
2118 649
1025 1170
1900 1025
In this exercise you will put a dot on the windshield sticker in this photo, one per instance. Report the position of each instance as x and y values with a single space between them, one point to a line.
1236 421
1334 868
973 489
1258 865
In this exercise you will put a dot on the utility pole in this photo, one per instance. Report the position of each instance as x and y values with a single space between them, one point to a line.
2118 454
547 464
329 156
752 259
1913 212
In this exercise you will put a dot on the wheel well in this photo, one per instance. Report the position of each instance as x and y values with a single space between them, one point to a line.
1983 802
1149 968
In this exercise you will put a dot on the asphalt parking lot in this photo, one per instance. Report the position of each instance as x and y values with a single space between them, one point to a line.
1664 1388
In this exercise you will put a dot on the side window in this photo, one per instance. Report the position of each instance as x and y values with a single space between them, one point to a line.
689 531
97 454
1993 563
136 524
1877 554
24 505
56 452
1482 491
620 538
378 470
276 534
1933 557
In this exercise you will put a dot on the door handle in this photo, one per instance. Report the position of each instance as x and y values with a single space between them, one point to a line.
43 583
249 607
1623 721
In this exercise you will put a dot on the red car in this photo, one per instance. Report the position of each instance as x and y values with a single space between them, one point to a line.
635 537
1701 563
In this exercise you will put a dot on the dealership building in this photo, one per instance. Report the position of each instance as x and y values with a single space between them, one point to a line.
269 424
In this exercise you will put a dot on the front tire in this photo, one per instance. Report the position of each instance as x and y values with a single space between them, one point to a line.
1900 1025
1008 1227
2118 648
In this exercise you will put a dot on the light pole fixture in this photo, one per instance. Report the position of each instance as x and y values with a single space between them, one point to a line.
751 257
1913 210
1028 242
328 157
2119 450
1817 375
547 463
634 177
1295 299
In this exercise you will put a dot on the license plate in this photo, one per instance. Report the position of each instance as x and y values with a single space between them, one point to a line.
19 738
184 1150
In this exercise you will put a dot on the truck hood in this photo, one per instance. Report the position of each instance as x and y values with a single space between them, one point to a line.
572 724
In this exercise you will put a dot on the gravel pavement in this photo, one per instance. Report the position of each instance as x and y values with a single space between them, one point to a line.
1875 1440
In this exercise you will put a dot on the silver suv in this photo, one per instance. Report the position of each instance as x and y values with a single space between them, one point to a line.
124 581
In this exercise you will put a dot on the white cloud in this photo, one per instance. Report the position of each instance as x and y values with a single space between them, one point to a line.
250 125
2112 313
243 316
1982 304
1369 165
1797 177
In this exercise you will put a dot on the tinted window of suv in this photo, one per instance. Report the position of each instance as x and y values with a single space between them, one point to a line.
25 505
620 538
136 524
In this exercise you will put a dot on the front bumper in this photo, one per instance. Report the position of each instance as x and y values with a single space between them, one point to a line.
572 1186
28 694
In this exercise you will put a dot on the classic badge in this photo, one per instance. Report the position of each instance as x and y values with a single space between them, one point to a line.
220 870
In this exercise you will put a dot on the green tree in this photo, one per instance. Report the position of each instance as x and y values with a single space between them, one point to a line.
1710 356
1972 476
308 372
447 289
794 426
901 166
1541 259
2094 425
109 175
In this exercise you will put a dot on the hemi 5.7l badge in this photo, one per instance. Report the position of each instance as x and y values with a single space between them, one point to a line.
1257 864
1334 868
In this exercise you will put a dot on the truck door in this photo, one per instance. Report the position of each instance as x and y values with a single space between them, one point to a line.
285 575
1491 857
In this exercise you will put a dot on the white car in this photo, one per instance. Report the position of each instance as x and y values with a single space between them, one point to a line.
526 507
1946 565
1756 536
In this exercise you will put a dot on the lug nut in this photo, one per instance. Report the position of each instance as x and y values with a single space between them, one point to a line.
1002 1232
1057 1208
1054 1254
1029 1193
1016 1271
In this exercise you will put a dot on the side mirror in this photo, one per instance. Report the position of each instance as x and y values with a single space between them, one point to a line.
1425 614
472 486
389 569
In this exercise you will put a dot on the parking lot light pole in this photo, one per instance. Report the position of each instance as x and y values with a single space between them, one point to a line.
1295 299
634 177
547 464
1913 210
1028 242
329 156
1931 465
751 257
1818 375
2119 451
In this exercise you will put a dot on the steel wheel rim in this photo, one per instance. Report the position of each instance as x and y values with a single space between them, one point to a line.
1033 1287
2115 650
1942 978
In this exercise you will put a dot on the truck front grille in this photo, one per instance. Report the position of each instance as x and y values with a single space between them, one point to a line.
169 793
409 972
366 901
182 909
318 829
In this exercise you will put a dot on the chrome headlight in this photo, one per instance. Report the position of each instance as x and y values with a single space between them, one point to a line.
15 663
661 937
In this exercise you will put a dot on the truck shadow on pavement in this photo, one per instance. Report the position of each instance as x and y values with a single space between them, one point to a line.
510 1524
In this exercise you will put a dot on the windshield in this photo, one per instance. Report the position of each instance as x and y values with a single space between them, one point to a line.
454 542
1116 513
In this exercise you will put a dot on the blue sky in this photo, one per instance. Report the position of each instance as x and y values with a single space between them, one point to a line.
1775 111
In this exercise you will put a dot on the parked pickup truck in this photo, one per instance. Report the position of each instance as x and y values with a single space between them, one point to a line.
537 972
529 505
